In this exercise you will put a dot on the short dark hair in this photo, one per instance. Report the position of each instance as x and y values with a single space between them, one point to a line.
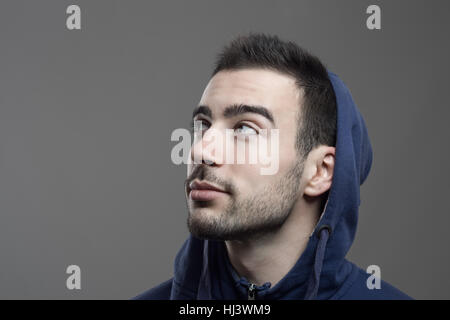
317 118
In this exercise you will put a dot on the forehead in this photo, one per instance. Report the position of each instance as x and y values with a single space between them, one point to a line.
275 91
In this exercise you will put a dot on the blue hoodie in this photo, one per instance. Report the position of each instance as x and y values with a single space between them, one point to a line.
202 269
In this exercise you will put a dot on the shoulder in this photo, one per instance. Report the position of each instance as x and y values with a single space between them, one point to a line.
160 292
358 290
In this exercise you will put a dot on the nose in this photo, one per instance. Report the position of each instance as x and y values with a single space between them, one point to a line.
208 147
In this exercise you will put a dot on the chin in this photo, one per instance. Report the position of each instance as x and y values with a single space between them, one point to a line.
216 204
203 211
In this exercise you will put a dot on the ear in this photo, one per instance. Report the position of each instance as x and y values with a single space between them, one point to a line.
319 169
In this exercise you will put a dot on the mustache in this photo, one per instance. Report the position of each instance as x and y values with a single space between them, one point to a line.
202 172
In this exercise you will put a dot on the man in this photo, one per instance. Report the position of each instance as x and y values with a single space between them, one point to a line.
284 235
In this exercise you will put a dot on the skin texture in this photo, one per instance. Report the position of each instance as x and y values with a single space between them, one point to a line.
265 220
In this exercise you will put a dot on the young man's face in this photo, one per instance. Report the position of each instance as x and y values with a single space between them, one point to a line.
252 203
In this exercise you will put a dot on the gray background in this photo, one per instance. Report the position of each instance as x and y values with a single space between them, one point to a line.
86 117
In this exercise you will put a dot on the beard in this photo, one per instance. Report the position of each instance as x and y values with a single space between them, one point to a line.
244 217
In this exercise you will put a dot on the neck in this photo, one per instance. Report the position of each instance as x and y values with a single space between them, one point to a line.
269 258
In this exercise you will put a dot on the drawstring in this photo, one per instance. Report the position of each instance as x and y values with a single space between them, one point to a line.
313 283
252 289
244 281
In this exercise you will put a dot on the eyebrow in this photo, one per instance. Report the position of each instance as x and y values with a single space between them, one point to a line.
236 109
203 110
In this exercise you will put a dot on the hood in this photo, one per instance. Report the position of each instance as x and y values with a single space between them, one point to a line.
202 269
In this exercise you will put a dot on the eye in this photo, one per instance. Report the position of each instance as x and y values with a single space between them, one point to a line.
199 124
245 129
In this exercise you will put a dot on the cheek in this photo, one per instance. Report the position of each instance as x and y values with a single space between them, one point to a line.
288 156
249 176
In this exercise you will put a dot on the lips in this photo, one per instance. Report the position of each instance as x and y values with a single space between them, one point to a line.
204 191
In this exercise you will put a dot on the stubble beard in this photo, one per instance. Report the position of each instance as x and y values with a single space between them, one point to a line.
252 217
